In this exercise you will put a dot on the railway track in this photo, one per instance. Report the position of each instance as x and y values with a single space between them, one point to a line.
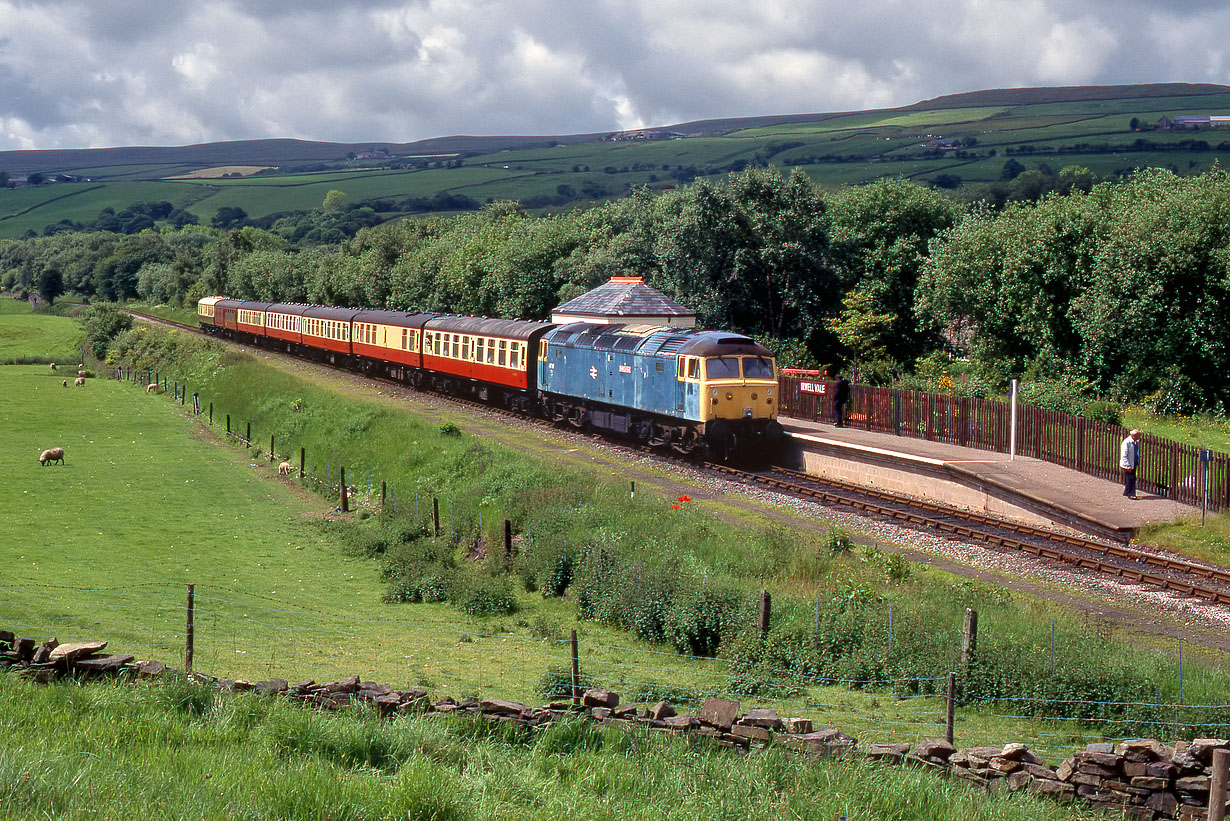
1142 567
1155 570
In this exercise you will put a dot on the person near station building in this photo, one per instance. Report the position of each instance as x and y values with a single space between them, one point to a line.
841 399
1129 460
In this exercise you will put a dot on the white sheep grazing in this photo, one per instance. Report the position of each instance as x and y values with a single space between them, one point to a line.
284 469
66 383
81 373
79 381
80 365
151 387
53 366
51 455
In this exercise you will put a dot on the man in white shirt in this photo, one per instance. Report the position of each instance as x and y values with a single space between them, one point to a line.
1129 460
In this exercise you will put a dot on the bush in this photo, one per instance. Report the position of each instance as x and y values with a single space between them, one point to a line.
556 683
482 596
555 575
700 620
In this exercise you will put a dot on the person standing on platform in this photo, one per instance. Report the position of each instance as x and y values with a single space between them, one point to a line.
841 399
1129 460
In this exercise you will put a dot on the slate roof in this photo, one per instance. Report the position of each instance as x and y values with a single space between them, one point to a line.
623 296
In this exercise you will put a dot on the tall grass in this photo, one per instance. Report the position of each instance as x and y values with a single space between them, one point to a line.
101 751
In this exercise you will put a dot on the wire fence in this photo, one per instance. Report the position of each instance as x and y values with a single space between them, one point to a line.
255 637
432 646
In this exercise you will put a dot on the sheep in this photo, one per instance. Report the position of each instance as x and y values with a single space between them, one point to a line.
284 469
152 387
53 366
79 381
51 455
66 383
81 373
80 365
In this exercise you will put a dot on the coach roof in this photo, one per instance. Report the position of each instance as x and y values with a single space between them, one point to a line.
507 328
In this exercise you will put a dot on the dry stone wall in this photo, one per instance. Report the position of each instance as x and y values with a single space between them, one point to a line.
1139 779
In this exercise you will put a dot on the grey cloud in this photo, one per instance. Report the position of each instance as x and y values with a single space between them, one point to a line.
112 72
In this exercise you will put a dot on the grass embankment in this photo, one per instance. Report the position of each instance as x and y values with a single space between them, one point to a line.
75 753
676 579
27 337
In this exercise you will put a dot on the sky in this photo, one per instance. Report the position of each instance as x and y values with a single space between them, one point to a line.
101 73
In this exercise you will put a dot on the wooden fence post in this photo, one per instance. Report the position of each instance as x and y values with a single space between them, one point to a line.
1217 785
271 447
766 605
435 514
302 461
228 424
345 495
969 636
952 702
507 542
211 413
188 634
383 492
248 436
576 672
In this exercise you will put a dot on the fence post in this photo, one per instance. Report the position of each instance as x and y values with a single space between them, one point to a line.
271 447
507 542
302 461
345 495
1217 785
952 701
576 672
435 514
1012 425
248 436
188 633
383 492
211 413
969 636
766 605
632 492
228 424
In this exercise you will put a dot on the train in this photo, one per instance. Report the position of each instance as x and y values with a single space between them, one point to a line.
694 391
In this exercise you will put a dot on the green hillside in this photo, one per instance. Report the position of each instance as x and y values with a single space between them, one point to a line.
1039 128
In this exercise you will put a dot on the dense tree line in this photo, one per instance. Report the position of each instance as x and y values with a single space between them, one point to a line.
1118 288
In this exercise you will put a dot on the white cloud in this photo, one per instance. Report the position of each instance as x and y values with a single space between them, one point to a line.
118 72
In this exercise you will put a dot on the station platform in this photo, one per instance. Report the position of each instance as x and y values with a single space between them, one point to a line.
1027 490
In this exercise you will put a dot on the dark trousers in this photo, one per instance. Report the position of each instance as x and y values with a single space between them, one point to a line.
1129 482
839 413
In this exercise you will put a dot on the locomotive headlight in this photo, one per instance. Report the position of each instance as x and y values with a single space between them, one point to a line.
729 396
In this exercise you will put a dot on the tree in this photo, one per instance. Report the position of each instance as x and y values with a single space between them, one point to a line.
1012 169
229 217
51 285
334 202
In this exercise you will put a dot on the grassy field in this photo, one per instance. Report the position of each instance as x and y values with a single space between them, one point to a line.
539 168
29 337
73 753
150 500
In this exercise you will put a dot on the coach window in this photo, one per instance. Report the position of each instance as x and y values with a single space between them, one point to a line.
490 351
503 353
514 355
482 350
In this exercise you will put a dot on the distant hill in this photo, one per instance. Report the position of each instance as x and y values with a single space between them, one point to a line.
949 141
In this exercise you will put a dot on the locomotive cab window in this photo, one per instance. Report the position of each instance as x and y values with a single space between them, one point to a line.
693 368
757 367
722 367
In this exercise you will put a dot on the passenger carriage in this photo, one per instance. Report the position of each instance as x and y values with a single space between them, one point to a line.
478 354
